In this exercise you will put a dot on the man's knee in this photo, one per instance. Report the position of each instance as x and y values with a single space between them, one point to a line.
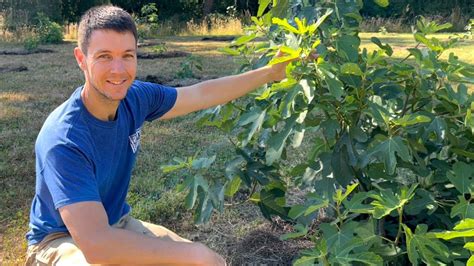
61 251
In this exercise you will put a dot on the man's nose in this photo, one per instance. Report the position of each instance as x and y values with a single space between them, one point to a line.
118 66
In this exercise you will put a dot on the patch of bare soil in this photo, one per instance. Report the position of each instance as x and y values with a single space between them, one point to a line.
147 44
184 82
174 82
219 38
167 54
25 52
5 69
155 79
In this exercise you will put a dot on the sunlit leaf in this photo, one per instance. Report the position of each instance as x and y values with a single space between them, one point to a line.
351 69
411 119
382 3
229 51
284 24
262 6
421 246
233 186
244 39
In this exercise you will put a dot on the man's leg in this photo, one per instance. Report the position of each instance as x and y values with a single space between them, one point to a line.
150 229
60 249
56 249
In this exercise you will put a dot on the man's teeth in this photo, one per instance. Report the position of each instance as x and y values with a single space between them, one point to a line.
116 82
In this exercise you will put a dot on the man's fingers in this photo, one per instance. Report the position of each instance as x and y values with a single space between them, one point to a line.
279 53
311 56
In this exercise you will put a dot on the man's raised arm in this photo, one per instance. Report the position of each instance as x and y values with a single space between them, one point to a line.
222 90
102 244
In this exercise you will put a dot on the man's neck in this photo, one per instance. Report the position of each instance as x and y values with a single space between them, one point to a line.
99 106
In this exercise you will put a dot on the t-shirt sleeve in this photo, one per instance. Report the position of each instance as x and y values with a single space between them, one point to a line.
69 176
160 99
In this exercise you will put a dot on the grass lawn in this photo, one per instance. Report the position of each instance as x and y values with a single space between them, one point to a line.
26 99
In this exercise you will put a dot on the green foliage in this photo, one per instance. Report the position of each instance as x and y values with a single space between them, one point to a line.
188 66
48 31
21 13
149 13
469 29
159 48
31 42
143 31
147 21
464 229
202 195
388 143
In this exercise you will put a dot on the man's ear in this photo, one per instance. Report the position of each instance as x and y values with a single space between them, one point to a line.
80 58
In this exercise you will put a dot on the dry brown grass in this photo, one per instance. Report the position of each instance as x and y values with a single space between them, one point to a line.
214 25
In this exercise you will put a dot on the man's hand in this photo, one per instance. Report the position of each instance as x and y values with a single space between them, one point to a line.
278 71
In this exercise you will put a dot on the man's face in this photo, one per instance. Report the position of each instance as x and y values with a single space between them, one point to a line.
110 64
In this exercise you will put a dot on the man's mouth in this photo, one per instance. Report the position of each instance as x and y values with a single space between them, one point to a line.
116 82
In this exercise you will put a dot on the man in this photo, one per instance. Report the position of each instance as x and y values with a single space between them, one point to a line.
87 147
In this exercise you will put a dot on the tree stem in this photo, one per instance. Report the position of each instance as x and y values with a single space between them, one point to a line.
400 221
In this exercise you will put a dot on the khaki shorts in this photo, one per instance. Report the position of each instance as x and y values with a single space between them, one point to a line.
60 249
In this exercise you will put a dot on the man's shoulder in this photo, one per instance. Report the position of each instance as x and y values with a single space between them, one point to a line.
140 86
141 90
64 125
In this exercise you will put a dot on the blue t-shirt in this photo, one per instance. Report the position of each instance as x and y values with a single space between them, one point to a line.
81 158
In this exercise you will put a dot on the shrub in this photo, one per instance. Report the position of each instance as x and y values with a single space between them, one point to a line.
147 22
159 48
143 32
188 66
469 29
149 13
31 42
48 31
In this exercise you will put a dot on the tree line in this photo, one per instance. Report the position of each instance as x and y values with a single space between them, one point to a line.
24 12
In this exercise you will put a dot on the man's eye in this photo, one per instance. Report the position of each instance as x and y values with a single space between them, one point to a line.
104 56
129 56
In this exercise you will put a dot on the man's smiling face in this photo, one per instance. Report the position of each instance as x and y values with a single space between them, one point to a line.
110 64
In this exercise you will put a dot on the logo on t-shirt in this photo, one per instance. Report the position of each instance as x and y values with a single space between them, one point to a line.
135 139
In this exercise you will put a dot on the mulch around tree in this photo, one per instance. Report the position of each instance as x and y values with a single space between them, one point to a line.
168 54
25 52
263 246
182 82
259 246
5 69
155 79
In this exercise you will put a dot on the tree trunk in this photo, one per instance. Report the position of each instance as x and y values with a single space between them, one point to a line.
207 7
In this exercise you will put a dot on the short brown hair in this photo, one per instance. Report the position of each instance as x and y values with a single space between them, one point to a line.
106 17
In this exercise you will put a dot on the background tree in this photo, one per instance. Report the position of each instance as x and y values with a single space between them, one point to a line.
23 12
